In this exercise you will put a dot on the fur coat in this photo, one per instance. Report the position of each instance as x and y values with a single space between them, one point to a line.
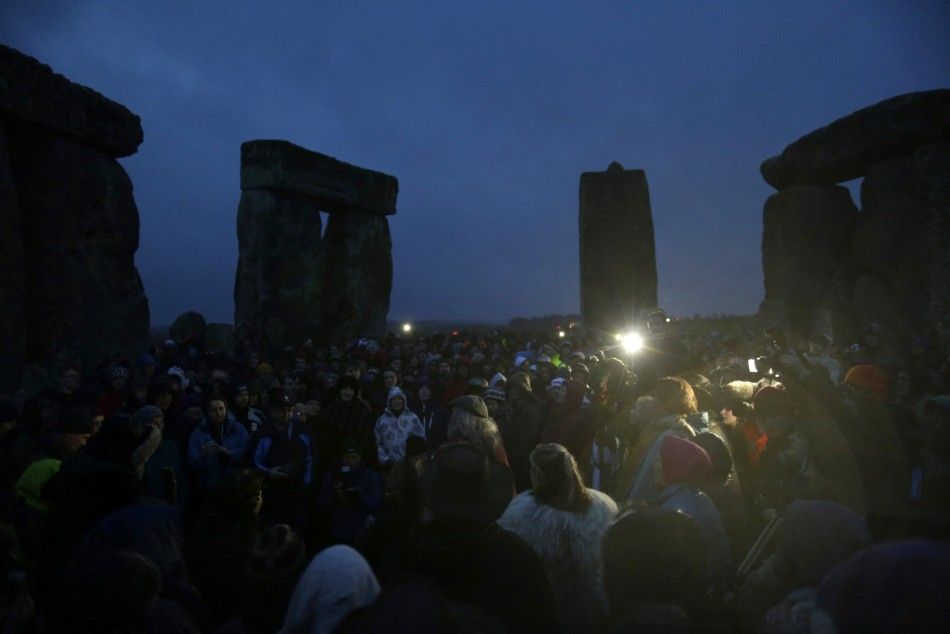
569 546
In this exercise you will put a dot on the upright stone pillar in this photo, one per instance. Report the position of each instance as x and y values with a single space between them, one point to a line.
292 284
13 278
805 241
617 252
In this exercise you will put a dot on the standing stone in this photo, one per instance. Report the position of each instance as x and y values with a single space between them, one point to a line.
12 275
291 284
69 224
189 326
848 147
279 277
358 275
617 252
905 239
805 242
80 233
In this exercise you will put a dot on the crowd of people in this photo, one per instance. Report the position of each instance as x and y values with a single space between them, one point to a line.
490 481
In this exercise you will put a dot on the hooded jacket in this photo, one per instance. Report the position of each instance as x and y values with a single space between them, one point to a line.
210 467
568 424
392 430
337 582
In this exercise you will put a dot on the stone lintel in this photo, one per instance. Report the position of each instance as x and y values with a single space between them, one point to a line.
335 185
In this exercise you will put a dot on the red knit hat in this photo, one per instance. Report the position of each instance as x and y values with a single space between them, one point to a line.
869 377
683 461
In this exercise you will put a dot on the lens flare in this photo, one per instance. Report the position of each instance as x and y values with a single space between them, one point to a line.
632 342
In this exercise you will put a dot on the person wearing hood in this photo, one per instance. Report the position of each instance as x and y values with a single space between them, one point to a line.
337 582
564 522
461 549
216 446
685 465
253 419
349 416
393 428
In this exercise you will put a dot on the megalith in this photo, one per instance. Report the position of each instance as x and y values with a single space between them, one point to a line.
617 253
71 227
294 280
887 263
806 236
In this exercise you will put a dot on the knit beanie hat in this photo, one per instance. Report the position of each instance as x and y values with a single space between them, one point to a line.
278 552
869 377
521 380
772 402
143 416
496 393
683 461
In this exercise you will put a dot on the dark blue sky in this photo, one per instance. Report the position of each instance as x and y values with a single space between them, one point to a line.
487 112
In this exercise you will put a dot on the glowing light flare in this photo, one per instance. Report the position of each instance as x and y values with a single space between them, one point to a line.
632 342
561 334
407 327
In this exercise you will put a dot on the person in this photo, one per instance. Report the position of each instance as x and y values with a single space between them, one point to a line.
521 434
216 446
470 422
351 496
685 465
348 416
337 582
432 414
818 346
655 572
216 548
567 424
393 428
723 489
813 537
284 455
564 522
164 477
461 549
273 568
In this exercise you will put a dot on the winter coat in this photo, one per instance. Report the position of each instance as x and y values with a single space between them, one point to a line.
337 582
483 565
392 431
634 479
434 418
569 545
166 456
350 498
690 501
343 420
568 425
520 435
210 468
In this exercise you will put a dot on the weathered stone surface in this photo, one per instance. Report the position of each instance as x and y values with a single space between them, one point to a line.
848 147
875 301
12 275
31 91
358 274
277 292
617 252
80 232
220 338
283 166
905 239
805 241
189 326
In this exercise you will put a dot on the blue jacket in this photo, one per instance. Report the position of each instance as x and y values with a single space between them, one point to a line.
210 468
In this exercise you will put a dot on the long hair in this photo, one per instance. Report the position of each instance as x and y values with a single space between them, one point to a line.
465 426
676 396
556 481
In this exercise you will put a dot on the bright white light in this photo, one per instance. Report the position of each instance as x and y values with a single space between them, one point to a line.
561 334
618 337
667 320
632 342
407 327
